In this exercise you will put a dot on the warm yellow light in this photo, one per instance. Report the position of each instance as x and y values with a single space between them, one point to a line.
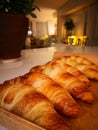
72 40
46 36
77 40
84 36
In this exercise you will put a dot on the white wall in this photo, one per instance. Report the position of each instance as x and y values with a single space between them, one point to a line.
45 23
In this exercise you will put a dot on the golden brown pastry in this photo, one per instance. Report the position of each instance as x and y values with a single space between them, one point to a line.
70 83
80 59
84 65
61 99
28 103
67 68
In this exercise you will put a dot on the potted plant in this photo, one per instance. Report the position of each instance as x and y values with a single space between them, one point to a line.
14 26
69 26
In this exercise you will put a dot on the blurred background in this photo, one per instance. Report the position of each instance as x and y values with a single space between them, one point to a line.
52 24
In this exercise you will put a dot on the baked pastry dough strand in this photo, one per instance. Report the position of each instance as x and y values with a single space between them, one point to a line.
28 103
69 82
85 66
61 99
67 68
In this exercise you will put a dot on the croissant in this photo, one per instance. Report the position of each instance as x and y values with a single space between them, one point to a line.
61 99
28 103
80 59
70 83
67 68
84 65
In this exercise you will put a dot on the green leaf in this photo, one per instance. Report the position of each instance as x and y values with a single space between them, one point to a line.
33 15
22 7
